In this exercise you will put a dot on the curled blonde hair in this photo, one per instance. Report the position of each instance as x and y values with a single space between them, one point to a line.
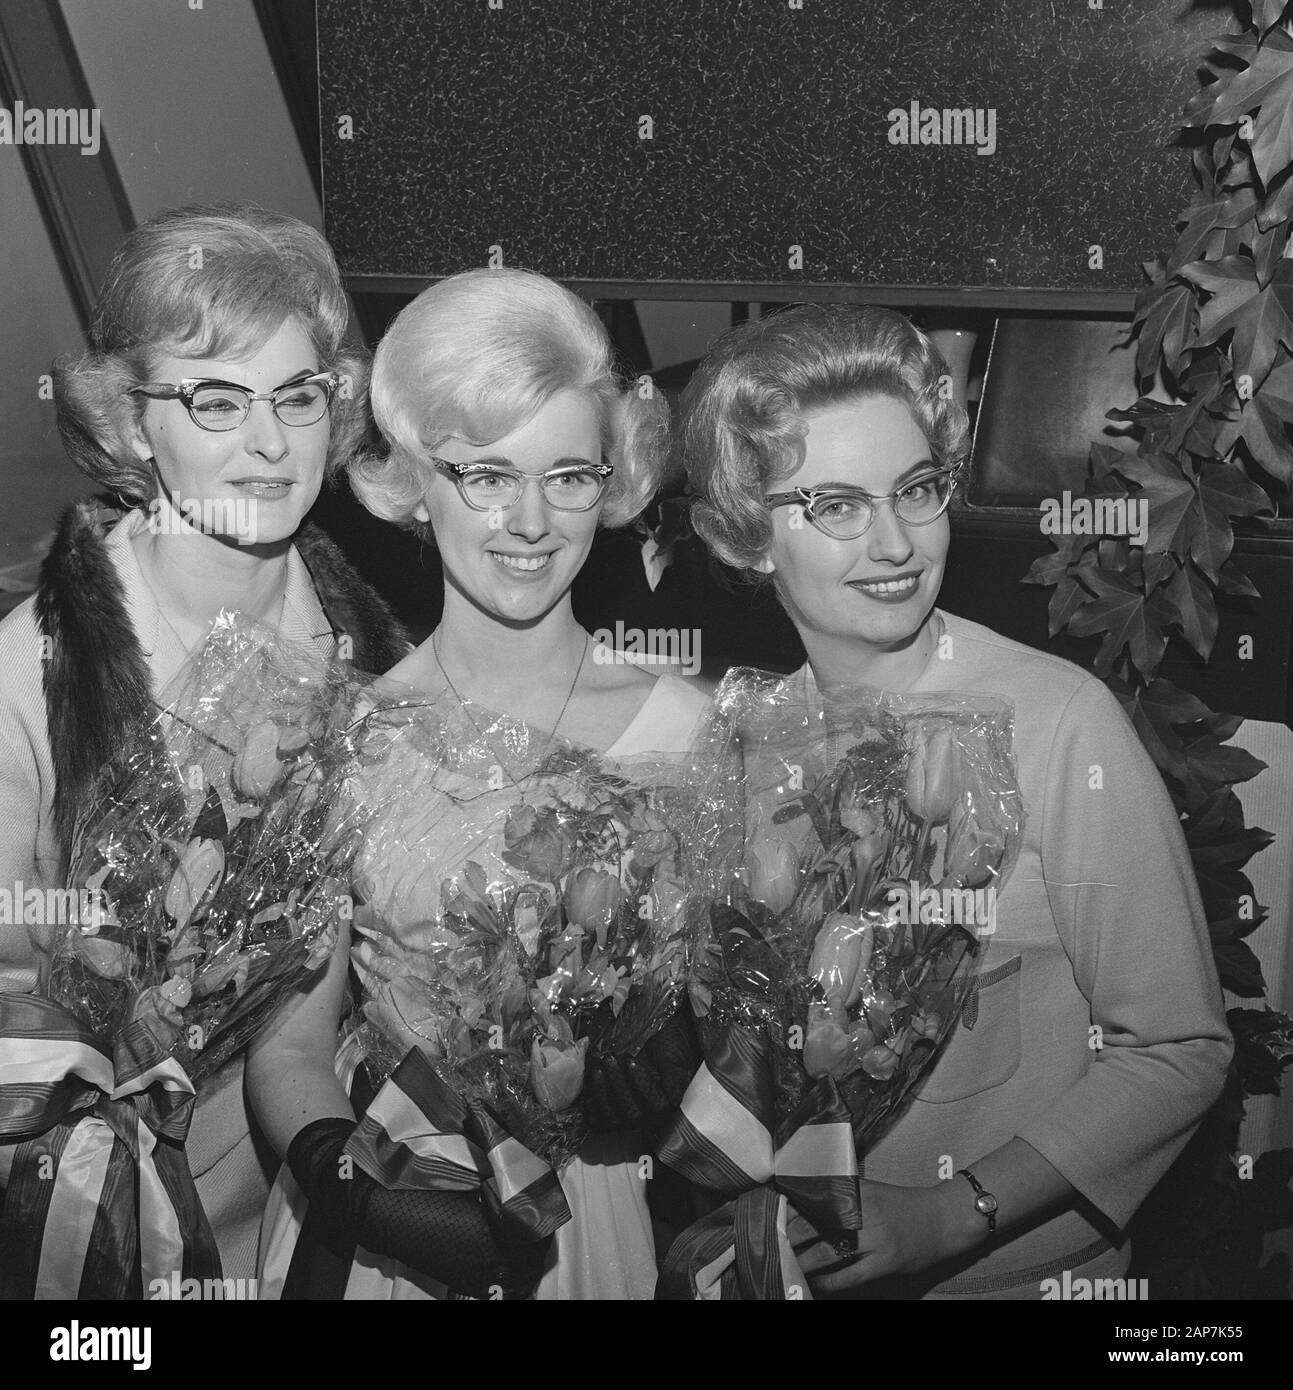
743 408
475 357
212 280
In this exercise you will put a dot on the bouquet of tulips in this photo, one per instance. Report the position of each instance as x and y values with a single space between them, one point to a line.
879 831
215 854
209 871
525 924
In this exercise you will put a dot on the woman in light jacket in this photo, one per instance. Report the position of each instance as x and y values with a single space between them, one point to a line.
216 397
825 454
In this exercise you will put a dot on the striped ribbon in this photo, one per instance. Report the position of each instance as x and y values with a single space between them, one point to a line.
726 1138
418 1133
99 1201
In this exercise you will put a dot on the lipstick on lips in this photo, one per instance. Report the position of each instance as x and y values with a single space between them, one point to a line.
268 488
894 589
522 564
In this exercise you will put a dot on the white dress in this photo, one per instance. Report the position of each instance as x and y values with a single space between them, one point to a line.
606 1251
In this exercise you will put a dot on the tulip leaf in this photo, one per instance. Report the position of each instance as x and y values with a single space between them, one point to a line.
211 822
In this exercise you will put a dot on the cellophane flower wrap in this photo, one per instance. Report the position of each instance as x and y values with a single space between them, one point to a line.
879 831
526 914
217 850
209 869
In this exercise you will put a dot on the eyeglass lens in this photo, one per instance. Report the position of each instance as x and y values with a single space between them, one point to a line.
846 515
226 407
572 490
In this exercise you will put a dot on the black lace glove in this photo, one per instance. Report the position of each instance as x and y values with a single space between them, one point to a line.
637 1092
445 1235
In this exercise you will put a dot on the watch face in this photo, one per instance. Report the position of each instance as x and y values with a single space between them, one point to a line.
987 1204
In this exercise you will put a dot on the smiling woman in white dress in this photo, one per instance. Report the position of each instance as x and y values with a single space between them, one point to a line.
511 440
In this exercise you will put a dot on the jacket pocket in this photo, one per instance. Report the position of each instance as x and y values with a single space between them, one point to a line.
984 1050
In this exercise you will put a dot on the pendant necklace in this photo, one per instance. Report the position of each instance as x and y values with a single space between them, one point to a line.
462 704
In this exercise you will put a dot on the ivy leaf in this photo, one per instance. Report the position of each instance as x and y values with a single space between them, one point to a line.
1233 580
1267 12
1069 598
1156 420
1224 490
1203 219
1128 619
1278 205
1164 331
1192 597
1263 1049
1264 419
1153 723
1167 704
1267 245
1260 318
1266 326
1216 764
1157 569
1267 83
1225 918
1231 283
1051 568
1239 968
1170 496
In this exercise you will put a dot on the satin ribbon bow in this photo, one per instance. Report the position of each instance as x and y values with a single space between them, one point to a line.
99 1200
727 1139
419 1133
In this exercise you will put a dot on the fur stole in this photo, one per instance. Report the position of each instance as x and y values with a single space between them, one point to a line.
96 679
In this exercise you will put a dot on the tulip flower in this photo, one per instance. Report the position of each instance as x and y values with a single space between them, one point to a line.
258 769
177 990
932 780
829 1049
651 848
841 956
533 903
538 843
592 899
773 871
111 960
879 1008
880 1062
925 1023
973 854
201 866
557 1072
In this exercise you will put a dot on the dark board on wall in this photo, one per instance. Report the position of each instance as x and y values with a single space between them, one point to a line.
519 124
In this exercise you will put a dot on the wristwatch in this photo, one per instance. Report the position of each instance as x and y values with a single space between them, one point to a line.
984 1201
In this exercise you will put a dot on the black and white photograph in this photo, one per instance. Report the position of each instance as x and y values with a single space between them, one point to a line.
645 656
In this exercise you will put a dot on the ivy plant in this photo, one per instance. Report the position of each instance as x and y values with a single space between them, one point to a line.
1214 330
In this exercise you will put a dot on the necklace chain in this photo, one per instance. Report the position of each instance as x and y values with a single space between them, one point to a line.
552 734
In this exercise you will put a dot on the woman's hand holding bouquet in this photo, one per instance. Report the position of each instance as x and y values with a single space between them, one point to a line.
880 829
210 872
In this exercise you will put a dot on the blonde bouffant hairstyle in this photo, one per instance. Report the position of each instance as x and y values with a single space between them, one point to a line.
744 406
207 281
476 356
